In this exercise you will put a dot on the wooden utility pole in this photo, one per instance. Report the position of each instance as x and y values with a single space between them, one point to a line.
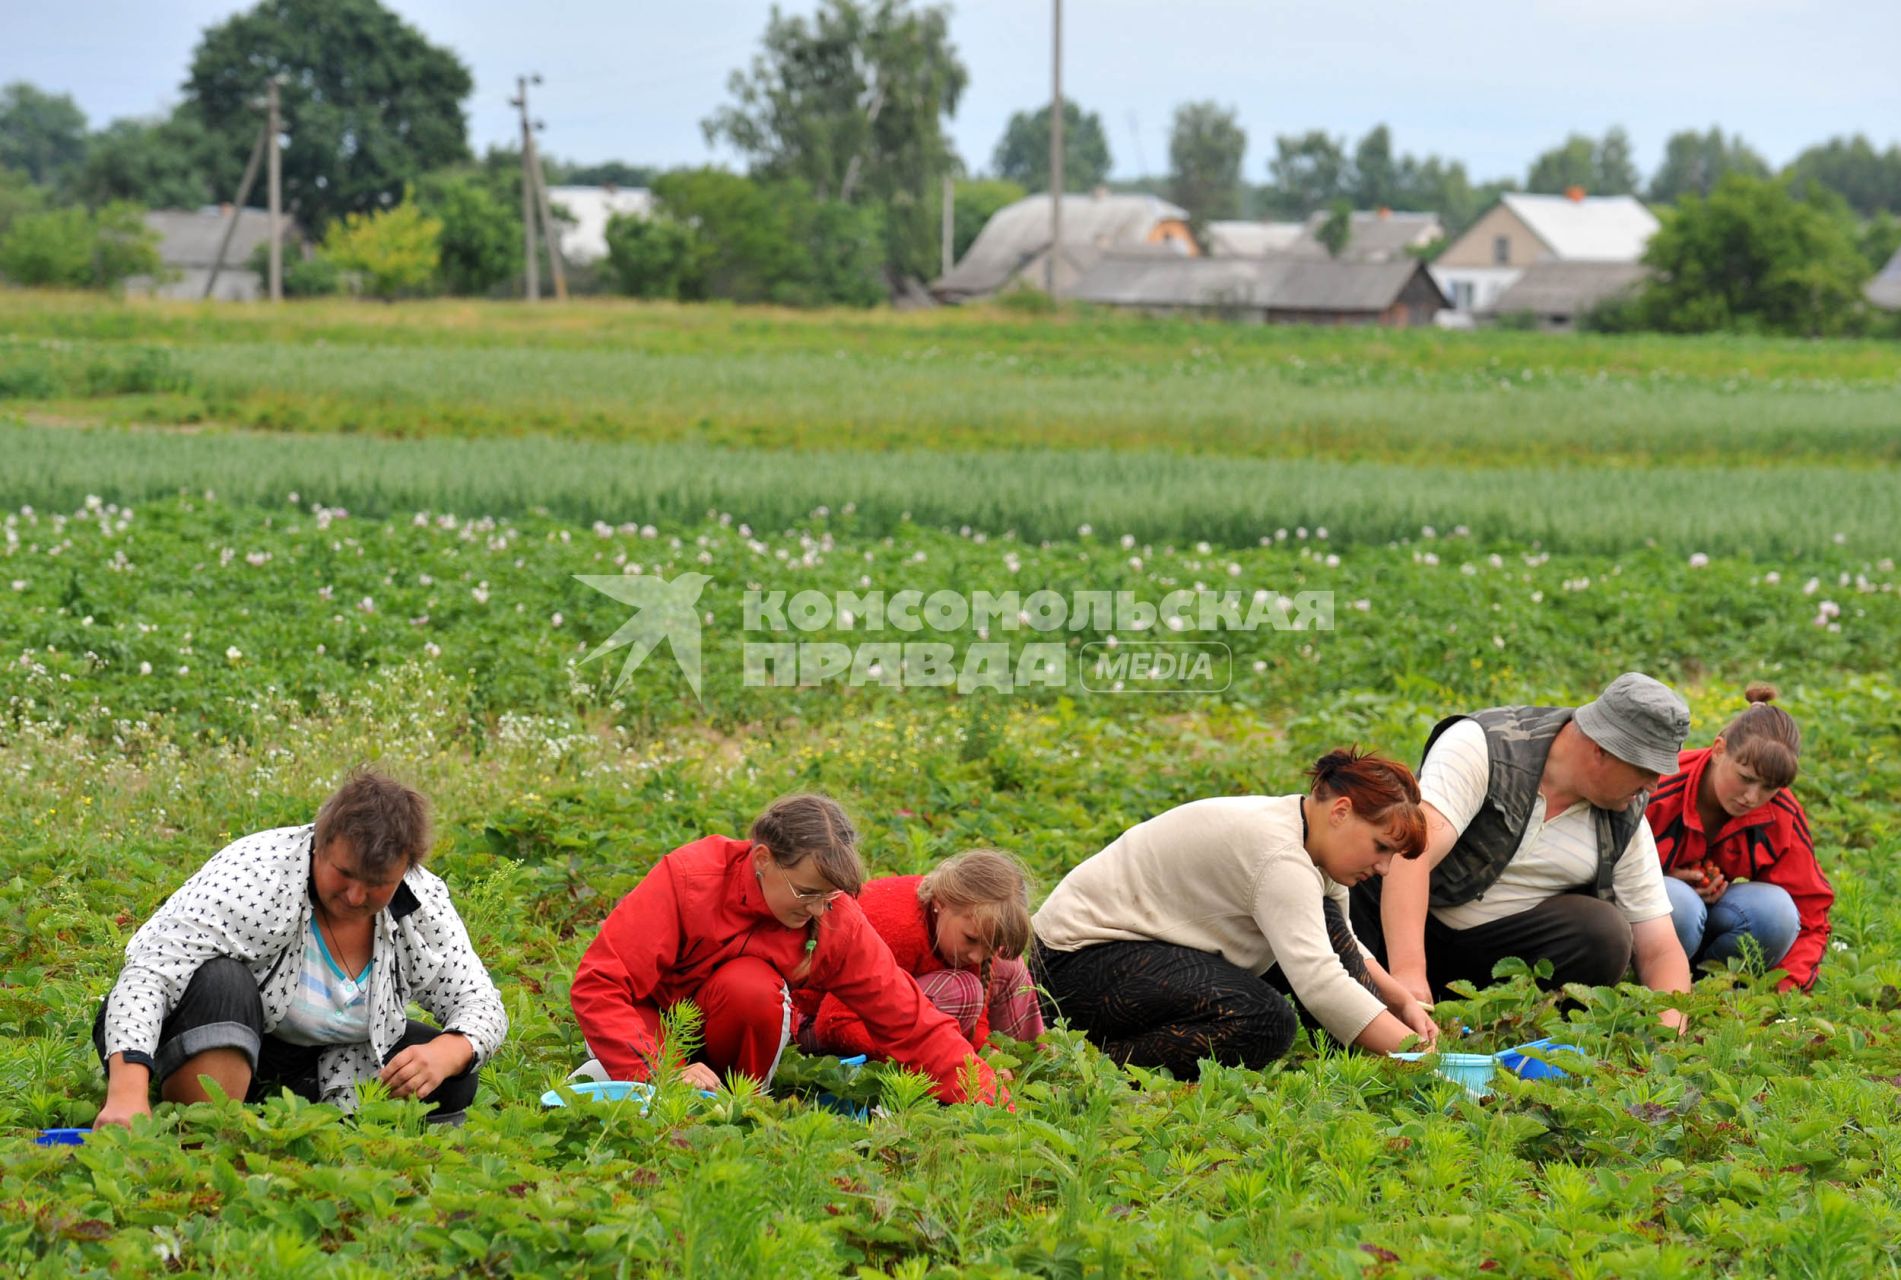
272 132
949 227
237 209
550 235
531 272
1056 143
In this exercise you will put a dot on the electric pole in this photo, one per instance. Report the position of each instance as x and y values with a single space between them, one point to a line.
532 277
550 235
273 135
1056 143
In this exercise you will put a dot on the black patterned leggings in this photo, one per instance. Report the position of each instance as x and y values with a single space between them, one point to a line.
1154 1004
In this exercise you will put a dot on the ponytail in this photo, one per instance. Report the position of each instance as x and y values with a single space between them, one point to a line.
1764 738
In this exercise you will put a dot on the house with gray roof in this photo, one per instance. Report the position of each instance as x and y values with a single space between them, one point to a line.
1373 235
1885 289
1014 246
188 242
1265 290
1522 230
1240 239
1559 294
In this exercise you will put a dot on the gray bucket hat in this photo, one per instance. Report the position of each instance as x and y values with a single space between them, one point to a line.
1639 720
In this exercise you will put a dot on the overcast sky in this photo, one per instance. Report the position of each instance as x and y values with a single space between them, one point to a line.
1491 82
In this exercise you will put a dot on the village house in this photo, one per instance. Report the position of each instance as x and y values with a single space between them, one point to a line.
1885 289
1239 239
584 212
1281 290
188 241
1521 231
1014 246
1558 295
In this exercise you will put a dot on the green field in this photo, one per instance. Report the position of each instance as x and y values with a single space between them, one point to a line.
244 549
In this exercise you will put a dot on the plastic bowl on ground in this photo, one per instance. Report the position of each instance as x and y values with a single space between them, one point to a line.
1473 1070
62 1137
1519 1062
845 1106
602 1091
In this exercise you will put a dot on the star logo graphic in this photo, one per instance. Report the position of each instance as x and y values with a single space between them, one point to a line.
662 611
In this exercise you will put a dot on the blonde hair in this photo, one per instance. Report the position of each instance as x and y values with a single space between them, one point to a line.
796 827
992 886
1764 738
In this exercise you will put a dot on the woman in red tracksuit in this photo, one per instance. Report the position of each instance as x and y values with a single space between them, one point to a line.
961 932
736 926
1737 855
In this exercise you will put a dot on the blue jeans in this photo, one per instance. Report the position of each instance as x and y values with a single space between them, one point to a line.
1715 931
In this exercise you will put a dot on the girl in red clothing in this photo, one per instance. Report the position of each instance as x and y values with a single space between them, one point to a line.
961 932
736 926
1736 849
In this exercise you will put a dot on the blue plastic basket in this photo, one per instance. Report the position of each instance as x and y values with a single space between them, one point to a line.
1519 1063
1473 1070
845 1106
62 1137
602 1091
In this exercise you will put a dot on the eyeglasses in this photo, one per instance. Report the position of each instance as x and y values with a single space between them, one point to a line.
827 896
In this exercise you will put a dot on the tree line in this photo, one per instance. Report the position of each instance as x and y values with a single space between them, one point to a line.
840 118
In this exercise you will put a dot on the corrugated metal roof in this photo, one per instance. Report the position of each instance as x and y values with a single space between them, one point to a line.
189 237
584 239
1019 233
1250 239
1591 229
1276 284
1568 288
1372 236
1885 289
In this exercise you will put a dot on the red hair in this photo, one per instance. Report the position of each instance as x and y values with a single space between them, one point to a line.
1383 792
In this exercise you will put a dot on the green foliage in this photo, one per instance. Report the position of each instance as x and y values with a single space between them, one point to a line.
305 276
392 252
1205 146
1023 153
77 249
720 235
975 200
368 102
1337 229
19 195
1757 257
481 237
851 103
653 257
1880 240
159 164
1869 180
1310 172
1693 163
1601 166
42 135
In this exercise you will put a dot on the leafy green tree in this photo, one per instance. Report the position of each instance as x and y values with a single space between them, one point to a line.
19 196
976 200
1880 239
1602 166
368 103
1868 179
392 251
42 134
1205 146
1309 172
77 248
609 173
161 164
1379 177
1753 256
1693 163
1023 153
852 102
481 239
652 257
1337 229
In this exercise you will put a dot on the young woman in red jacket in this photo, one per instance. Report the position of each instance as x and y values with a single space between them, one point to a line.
1737 855
961 932
736 926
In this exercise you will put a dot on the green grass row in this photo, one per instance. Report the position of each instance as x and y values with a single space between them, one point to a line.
1037 494
961 381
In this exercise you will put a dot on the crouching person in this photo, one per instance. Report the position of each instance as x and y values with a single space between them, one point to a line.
737 926
289 961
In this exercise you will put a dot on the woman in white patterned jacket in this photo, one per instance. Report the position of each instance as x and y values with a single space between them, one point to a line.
289 961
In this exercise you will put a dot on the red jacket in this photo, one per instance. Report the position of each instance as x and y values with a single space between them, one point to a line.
1769 845
700 907
892 907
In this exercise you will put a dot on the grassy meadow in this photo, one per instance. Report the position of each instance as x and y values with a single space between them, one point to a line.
244 549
